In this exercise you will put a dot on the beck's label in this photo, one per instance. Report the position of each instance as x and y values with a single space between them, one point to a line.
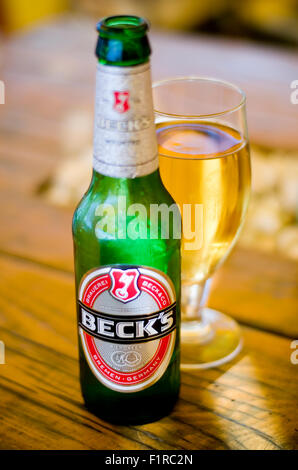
127 325
124 136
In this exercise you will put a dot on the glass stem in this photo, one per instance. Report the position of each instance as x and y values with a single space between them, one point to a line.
194 298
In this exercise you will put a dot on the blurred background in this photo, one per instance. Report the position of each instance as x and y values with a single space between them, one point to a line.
47 64
261 20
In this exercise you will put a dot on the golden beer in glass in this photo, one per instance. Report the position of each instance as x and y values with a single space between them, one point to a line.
205 165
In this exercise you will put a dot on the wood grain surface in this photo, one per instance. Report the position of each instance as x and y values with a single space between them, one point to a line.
250 403
242 405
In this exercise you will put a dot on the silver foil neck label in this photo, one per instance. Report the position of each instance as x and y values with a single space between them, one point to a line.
125 144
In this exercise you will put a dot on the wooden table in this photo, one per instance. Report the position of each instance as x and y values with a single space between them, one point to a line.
250 403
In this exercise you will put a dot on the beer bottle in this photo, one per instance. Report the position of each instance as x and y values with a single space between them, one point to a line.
127 244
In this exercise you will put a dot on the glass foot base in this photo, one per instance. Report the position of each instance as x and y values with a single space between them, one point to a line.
213 341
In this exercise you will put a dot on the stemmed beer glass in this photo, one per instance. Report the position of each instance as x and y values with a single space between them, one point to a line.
205 165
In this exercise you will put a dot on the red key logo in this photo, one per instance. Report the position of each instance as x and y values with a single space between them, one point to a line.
124 284
121 101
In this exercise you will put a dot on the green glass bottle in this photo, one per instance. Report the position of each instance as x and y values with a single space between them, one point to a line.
126 233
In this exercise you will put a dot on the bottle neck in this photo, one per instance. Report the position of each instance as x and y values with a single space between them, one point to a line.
123 51
125 143
147 180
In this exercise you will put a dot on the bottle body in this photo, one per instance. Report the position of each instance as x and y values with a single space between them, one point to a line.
94 250
127 259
